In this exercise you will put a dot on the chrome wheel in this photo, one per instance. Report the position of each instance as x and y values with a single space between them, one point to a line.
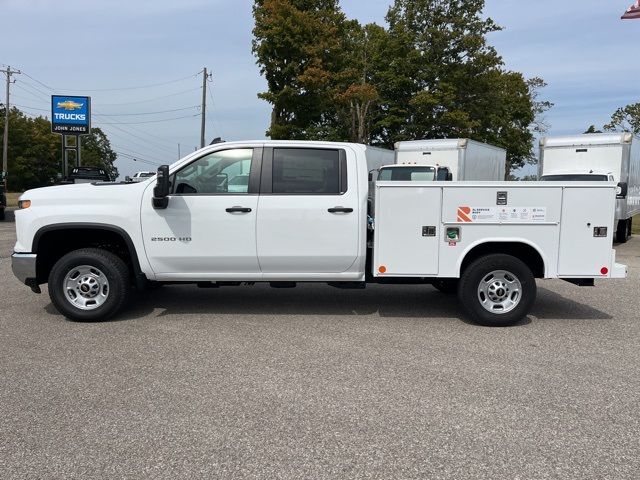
499 291
86 287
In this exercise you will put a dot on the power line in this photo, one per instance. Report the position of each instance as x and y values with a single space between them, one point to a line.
28 107
137 159
147 113
28 89
151 121
150 99
137 87
137 140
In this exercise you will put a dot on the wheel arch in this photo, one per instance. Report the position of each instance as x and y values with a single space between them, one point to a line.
522 249
86 234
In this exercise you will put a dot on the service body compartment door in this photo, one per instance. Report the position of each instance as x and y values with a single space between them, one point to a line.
407 229
583 209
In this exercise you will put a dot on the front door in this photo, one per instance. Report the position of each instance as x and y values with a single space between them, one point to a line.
208 230
308 213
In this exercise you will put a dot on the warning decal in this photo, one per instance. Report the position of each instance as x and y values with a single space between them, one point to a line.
502 214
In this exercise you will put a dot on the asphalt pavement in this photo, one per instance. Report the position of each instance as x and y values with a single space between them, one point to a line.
389 382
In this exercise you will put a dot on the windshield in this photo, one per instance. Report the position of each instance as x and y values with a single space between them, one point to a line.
574 177
410 174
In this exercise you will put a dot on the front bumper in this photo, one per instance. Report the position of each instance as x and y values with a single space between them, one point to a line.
24 267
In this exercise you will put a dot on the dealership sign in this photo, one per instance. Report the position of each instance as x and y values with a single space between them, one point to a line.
70 115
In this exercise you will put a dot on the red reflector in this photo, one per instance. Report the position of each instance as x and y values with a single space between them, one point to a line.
604 270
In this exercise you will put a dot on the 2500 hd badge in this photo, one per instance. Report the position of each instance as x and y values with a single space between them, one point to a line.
170 239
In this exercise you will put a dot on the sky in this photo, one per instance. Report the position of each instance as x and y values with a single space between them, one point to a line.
139 60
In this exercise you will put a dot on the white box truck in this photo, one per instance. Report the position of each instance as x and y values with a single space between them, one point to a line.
465 159
304 217
597 157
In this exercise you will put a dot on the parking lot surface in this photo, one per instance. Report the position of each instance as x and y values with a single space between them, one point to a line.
314 382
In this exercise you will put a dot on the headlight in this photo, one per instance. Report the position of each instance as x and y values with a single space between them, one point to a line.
22 204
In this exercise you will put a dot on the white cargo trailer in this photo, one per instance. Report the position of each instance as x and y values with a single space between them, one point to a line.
466 159
597 157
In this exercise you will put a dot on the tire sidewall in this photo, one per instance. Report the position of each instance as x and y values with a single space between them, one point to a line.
102 261
468 290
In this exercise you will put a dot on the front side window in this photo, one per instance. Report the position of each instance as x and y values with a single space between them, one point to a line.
221 172
308 171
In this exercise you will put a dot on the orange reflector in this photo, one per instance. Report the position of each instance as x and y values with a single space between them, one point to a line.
382 269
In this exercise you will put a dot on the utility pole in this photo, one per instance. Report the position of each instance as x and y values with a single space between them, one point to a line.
5 139
205 77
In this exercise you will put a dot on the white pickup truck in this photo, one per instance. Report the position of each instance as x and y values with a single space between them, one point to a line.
305 215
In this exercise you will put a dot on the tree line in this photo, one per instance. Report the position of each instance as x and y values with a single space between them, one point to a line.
35 154
429 72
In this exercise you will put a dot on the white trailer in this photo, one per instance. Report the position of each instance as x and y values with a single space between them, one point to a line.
597 157
466 159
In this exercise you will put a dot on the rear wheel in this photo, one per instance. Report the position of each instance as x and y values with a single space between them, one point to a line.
2 215
89 284
623 232
497 290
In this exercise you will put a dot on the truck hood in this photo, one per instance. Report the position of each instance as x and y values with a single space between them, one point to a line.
81 191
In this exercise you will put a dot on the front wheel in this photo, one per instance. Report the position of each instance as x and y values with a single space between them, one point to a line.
89 284
497 290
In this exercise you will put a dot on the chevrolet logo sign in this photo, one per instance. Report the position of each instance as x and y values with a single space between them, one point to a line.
70 105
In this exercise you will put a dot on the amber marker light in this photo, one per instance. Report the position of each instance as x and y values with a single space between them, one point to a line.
382 269
22 204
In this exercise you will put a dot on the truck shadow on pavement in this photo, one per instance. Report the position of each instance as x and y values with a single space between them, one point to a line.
412 302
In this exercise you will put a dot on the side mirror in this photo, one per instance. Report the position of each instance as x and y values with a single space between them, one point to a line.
371 174
161 190
622 190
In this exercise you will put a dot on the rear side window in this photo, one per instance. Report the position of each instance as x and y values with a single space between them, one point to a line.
308 171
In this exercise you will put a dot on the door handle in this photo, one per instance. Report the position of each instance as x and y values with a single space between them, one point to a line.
340 210
238 210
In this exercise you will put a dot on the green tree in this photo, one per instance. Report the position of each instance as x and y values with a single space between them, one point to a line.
430 74
96 152
298 46
34 153
440 78
592 129
625 119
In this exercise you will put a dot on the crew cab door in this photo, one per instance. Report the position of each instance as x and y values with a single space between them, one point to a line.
208 229
308 213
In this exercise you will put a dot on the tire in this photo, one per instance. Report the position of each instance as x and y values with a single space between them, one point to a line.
448 286
104 278
622 231
2 215
492 277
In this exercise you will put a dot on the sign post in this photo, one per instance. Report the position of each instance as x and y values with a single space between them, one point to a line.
71 118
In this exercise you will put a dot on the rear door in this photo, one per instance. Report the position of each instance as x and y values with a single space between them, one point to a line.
308 213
